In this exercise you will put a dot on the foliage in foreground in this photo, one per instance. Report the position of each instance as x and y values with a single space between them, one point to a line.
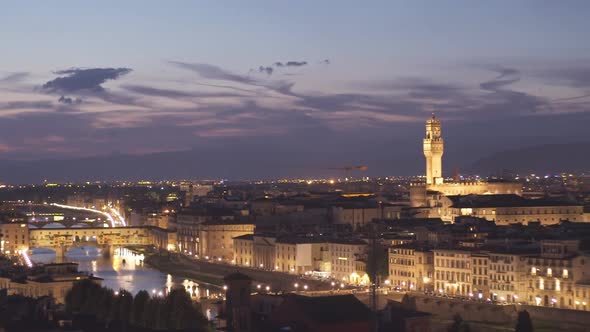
176 311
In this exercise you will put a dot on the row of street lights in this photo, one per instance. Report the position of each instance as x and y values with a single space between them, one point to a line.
296 285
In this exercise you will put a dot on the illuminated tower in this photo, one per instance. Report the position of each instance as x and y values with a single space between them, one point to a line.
433 151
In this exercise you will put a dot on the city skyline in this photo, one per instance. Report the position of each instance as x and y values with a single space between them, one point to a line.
302 166
329 80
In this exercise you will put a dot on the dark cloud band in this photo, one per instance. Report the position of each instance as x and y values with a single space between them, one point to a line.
76 79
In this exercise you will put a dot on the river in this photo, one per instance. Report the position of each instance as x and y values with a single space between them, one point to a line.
123 270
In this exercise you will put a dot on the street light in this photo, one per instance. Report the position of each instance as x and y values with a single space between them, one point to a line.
305 287
224 287
267 288
258 286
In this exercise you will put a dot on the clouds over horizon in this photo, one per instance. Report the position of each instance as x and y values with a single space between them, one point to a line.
213 103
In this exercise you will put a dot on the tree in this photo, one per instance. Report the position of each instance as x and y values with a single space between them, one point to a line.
94 303
183 314
105 303
523 322
75 297
139 306
125 300
149 316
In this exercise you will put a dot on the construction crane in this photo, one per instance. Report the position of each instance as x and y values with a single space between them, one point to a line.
348 169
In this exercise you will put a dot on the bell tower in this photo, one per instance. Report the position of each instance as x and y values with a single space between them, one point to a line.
433 151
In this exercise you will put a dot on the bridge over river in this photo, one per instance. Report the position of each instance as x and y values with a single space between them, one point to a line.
62 239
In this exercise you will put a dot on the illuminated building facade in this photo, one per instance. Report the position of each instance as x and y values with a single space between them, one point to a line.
552 273
340 259
559 276
510 209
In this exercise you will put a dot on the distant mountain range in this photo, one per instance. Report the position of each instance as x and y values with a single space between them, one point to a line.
543 159
234 164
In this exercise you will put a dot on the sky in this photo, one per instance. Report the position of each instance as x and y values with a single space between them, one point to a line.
330 82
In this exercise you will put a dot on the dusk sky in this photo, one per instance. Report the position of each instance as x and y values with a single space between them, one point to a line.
329 79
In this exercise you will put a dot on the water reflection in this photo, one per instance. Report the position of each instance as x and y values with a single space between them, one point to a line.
124 270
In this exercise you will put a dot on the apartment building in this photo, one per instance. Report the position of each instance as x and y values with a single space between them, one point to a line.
215 239
452 272
348 261
14 237
559 276
481 280
301 255
264 251
411 268
244 250
505 274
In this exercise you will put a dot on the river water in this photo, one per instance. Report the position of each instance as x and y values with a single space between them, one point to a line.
123 270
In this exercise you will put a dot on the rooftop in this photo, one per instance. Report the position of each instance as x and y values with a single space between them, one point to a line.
508 200
329 309
245 237
237 276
